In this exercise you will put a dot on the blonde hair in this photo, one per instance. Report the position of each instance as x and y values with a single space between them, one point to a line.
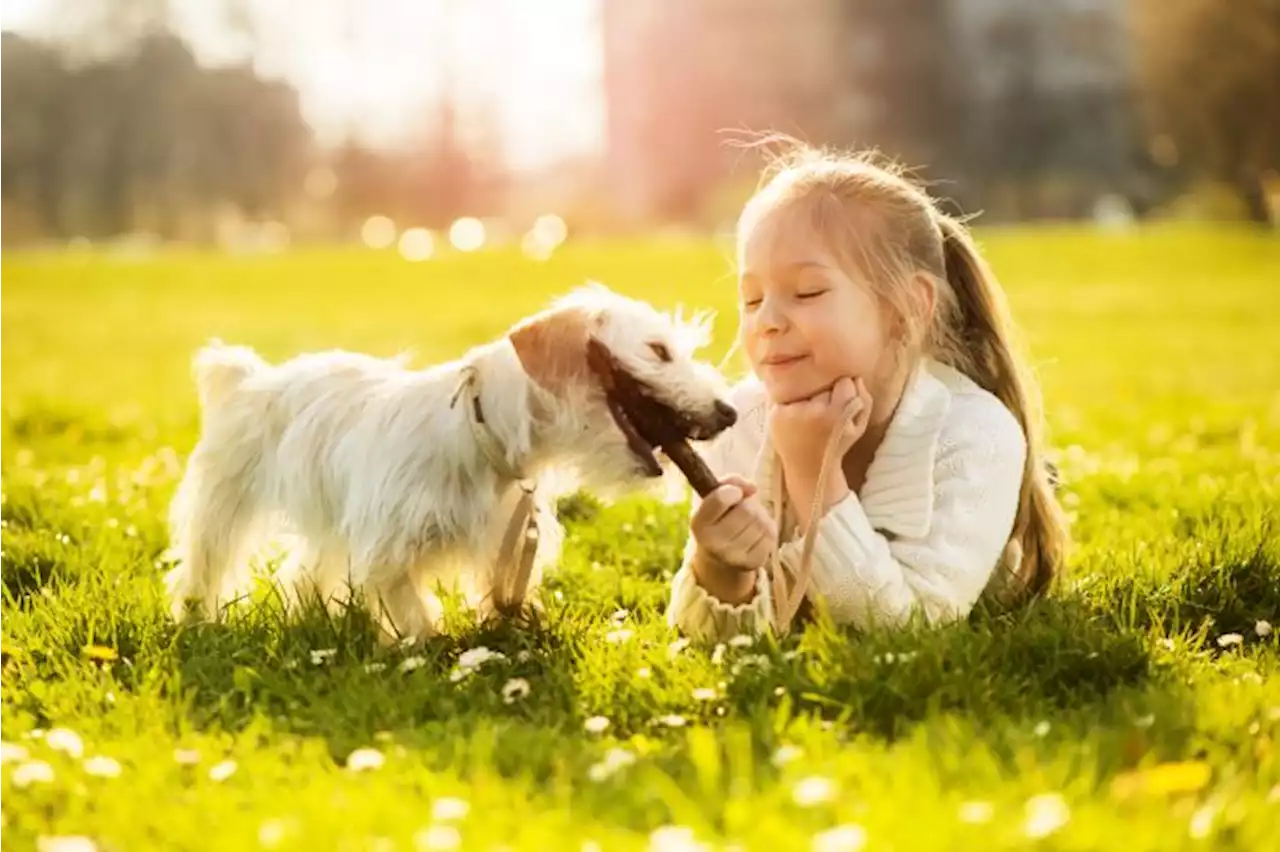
877 221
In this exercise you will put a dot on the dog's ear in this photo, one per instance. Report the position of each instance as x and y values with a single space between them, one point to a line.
552 346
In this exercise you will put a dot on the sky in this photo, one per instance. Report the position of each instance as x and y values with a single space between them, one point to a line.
377 65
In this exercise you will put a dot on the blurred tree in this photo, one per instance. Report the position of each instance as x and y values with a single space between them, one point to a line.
1210 77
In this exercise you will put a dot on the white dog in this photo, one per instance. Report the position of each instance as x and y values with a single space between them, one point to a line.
392 479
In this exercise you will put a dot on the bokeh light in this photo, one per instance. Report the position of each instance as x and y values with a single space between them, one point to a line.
378 232
467 234
417 244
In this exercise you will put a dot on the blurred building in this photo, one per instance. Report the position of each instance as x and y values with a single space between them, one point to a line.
1002 97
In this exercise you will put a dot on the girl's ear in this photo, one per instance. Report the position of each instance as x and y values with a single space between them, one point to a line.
925 296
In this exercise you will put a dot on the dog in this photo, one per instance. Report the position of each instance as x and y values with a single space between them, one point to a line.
392 480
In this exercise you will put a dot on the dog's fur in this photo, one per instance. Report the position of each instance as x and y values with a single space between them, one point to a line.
380 480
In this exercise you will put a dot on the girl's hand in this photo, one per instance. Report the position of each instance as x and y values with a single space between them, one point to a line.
800 431
733 528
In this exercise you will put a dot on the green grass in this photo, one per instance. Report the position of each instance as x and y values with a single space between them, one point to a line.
1160 356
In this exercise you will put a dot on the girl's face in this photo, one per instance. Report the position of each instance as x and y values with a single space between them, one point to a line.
805 321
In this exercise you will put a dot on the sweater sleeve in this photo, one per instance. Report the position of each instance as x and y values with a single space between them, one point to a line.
692 609
866 577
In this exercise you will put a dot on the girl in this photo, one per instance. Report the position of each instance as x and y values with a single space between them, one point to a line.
880 344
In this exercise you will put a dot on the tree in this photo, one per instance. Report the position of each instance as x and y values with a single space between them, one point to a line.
1210 77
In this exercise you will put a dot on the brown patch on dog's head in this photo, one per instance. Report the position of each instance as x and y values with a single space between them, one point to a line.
552 346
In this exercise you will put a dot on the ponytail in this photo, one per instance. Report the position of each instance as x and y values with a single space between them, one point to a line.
985 346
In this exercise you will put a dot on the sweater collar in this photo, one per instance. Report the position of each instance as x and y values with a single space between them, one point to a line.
897 496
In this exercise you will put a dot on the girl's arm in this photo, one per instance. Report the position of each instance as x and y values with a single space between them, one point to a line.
866 577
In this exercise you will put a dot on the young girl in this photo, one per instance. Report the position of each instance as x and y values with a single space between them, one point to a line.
881 349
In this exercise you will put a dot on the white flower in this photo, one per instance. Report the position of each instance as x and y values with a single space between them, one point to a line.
619 616
514 689
843 838
643 673
102 767
375 667
674 838
704 693
449 809
742 640
1262 629
186 756
65 843
272 833
474 658
408 664
976 813
814 790
617 637
673 720
66 741
435 838
614 759
1046 813
674 649
1226 640
322 656
1202 822
222 771
363 759
457 675
12 752
32 772
787 754
596 725
524 657
1041 729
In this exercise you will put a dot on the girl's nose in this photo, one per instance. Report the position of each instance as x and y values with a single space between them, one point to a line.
770 317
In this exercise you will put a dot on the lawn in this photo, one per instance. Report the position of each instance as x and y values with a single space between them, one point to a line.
1136 708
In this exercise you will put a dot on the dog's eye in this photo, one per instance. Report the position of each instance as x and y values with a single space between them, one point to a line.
661 350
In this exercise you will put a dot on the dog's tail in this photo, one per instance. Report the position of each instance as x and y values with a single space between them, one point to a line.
219 369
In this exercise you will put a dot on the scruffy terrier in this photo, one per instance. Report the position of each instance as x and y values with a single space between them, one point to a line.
390 480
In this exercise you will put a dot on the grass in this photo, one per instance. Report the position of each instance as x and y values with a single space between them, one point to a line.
1110 716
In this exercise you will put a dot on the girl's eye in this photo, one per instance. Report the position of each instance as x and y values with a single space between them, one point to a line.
813 294
752 304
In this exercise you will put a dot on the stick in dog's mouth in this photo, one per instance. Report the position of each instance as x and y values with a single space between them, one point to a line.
647 422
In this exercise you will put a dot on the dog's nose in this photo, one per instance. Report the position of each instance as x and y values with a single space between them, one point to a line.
726 414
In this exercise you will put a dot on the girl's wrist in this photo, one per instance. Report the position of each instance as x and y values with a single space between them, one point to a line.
727 583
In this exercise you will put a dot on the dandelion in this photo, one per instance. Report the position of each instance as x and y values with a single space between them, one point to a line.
843 838
596 725
614 760
704 693
365 759
186 756
12 752
514 690
437 838
221 771
65 843
102 767
449 809
1227 640
32 772
814 790
322 656
1045 814
413 663
672 720
1262 629
976 813
617 637
66 741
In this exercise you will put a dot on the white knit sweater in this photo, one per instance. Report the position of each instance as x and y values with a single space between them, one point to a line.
925 533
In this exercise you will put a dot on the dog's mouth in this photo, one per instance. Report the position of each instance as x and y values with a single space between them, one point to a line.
647 422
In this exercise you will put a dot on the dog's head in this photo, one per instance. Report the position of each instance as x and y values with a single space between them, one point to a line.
599 354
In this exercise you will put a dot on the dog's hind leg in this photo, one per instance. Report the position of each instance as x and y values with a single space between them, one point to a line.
213 515
316 573
400 608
